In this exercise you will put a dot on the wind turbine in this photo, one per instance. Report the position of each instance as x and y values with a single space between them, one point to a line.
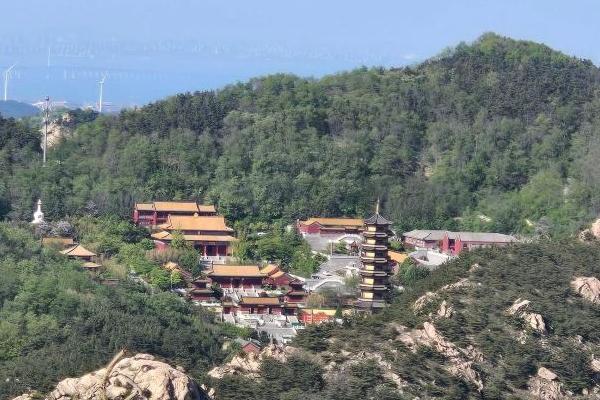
101 83
6 78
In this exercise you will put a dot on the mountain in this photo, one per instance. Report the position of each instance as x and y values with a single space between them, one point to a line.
495 135
17 109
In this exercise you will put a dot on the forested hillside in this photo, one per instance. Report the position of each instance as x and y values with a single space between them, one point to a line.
496 135
451 335
56 322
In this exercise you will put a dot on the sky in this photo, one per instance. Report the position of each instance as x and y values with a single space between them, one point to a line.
150 49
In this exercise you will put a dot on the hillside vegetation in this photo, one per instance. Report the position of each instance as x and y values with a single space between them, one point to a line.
497 135
481 351
56 322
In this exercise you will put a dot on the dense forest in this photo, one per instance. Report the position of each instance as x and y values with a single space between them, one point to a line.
495 135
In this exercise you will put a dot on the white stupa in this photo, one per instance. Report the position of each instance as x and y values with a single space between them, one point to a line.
38 215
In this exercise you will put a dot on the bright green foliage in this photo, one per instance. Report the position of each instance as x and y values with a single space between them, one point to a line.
56 322
476 131
287 249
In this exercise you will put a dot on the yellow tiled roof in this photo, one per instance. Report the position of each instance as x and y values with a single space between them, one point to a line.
240 271
78 251
196 223
181 206
91 265
171 266
328 222
269 269
397 256
209 238
277 274
206 208
144 206
164 235
266 301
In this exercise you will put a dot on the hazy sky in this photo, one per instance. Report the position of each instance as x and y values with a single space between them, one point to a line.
153 48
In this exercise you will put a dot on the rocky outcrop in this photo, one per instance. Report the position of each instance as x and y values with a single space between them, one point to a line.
423 301
460 360
520 308
445 310
595 365
336 369
592 233
587 287
545 386
249 364
429 297
138 377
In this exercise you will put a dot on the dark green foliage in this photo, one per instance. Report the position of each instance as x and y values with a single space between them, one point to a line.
409 273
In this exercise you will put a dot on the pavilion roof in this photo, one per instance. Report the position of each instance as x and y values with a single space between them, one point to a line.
78 251
377 219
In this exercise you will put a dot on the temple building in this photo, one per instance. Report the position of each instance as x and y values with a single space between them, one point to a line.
201 291
296 294
157 212
78 252
208 234
245 277
332 226
376 264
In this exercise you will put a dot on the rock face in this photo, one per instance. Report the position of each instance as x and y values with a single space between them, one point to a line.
429 297
545 386
535 321
137 377
595 229
424 300
249 364
587 287
461 360
546 374
445 310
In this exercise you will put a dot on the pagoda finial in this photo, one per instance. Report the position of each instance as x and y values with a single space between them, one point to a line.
377 206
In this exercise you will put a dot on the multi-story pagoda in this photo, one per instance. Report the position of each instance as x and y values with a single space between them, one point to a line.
376 266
